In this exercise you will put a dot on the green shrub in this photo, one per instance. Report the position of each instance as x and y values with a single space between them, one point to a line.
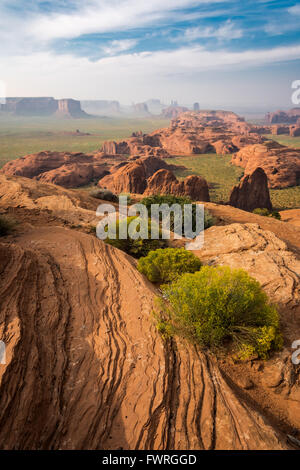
167 264
265 212
136 248
222 307
169 199
7 225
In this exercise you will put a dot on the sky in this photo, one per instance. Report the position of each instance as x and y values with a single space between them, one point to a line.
218 53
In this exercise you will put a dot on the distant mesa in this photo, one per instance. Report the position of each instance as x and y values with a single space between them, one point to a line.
140 109
252 192
101 107
44 106
280 117
196 107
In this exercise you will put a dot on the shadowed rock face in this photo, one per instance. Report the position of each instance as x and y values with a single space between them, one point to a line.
165 182
289 117
252 192
86 367
281 164
132 176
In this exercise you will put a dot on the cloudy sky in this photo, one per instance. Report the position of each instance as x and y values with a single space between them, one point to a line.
217 52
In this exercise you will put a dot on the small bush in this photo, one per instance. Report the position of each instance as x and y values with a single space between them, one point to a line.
7 225
136 248
169 199
266 213
221 307
104 194
167 264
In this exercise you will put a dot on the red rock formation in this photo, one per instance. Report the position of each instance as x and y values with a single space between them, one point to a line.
69 108
165 182
281 164
63 168
191 133
280 130
289 117
131 177
295 131
173 111
252 192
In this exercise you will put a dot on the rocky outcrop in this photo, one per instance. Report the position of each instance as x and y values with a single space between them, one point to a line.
84 357
165 182
63 168
281 164
191 133
289 117
131 177
43 107
295 131
252 192
280 130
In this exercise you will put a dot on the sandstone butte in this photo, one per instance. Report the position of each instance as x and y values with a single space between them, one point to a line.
86 367
195 132
289 117
252 192
151 175
281 164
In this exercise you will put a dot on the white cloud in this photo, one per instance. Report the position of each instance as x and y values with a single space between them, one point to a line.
295 10
108 15
117 46
127 74
226 31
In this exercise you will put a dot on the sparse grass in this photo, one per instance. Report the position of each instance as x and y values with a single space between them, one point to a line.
293 142
216 169
222 176
22 136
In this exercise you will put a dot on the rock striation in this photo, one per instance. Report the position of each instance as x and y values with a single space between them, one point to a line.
289 117
252 192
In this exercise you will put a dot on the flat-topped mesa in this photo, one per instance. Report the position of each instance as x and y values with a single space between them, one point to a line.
281 164
221 132
44 106
252 192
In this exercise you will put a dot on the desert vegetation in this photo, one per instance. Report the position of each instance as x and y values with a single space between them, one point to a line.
134 247
221 308
7 225
266 213
166 265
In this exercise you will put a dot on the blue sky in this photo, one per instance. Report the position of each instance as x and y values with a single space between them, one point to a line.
219 53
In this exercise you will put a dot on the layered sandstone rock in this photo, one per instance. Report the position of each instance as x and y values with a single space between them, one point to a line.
87 369
295 131
280 130
281 164
173 111
63 168
165 182
252 192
